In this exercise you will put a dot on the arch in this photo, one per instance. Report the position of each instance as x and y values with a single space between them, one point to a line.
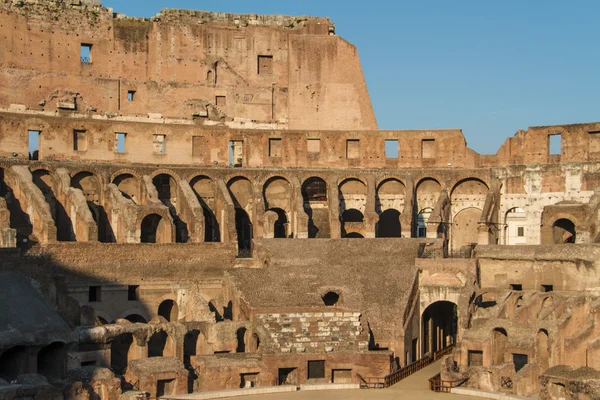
439 326
499 342
464 227
563 231
390 194
422 219
119 352
514 226
52 361
241 191
241 340
426 193
330 298
352 223
136 318
352 194
169 310
542 348
469 187
243 226
14 362
166 187
276 223
206 191
353 235
48 184
154 229
161 345
129 186
277 193
388 225
91 187
314 195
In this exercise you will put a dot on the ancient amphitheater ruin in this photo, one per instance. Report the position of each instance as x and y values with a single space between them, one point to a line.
203 201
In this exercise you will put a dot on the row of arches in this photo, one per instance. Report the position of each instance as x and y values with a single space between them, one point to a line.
49 361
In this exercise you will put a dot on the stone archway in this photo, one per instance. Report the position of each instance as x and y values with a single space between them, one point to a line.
439 326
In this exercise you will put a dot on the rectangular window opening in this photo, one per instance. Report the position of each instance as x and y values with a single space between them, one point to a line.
352 148
120 142
475 358
165 387
547 288
520 231
130 95
158 143
316 369
95 294
220 101
391 148
313 145
520 360
516 286
85 53
265 65
555 144
236 150
428 148
594 133
34 145
275 147
80 140
133 292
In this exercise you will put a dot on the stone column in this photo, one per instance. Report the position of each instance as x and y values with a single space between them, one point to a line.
333 198
371 216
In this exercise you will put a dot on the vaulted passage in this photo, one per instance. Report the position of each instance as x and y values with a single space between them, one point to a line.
169 310
563 231
352 202
154 230
314 195
205 191
440 322
166 186
243 227
52 361
91 188
49 187
388 224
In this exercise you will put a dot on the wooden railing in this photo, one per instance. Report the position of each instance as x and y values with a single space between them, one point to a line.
399 374
436 384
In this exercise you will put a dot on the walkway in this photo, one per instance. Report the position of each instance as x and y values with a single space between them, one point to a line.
415 387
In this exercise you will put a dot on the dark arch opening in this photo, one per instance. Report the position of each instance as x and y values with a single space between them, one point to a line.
47 184
119 352
330 299
128 186
52 361
89 185
157 343
314 191
389 224
150 225
168 310
190 345
563 231
14 362
241 340
353 235
352 215
204 189
440 323
279 227
166 186
136 318
243 227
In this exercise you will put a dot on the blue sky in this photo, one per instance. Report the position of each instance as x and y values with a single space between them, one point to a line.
488 67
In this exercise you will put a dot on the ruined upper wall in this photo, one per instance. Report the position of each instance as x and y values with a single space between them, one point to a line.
181 63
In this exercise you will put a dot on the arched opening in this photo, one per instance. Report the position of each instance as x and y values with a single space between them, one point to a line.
276 223
153 229
210 78
52 361
136 318
128 186
427 193
243 227
168 310
352 223
389 224
119 352
390 195
314 195
330 299
14 362
190 345
90 186
499 341
543 348
464 227
157 343
440 323
241 340
514 226
422 219
49 187
277 194
205 190
166 186
563 231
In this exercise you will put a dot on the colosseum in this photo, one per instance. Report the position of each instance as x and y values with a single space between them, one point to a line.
202 202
